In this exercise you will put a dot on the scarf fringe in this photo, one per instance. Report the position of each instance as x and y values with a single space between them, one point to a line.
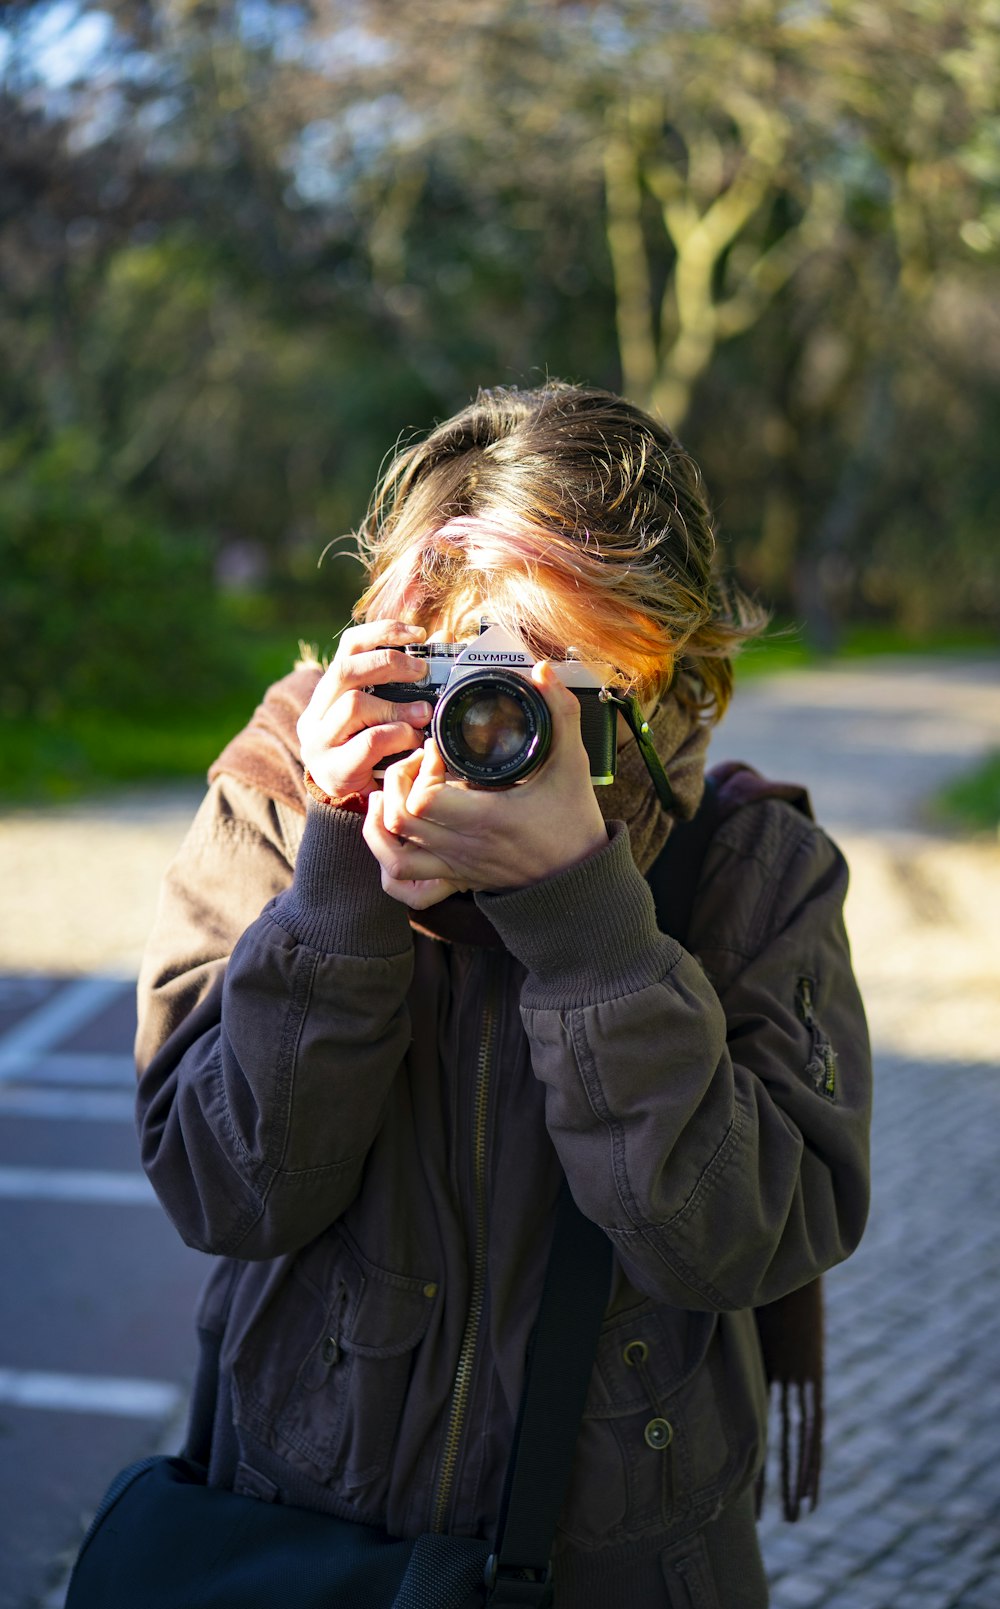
801 1448
791 1337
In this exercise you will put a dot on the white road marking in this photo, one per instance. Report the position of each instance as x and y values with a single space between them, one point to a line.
90 1105
78 1185
69 1067
84 1393
75 1004
23 989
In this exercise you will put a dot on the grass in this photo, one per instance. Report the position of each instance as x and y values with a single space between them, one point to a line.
784 647
62 759
971 803
54 762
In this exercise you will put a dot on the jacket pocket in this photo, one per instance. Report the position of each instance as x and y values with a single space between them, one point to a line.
653 1448
323 1372
821 1067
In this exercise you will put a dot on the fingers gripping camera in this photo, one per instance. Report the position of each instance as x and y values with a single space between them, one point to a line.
490 723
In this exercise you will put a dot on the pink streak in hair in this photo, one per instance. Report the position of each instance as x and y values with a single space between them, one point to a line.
495 541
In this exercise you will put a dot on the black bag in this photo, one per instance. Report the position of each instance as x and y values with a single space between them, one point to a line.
163 1539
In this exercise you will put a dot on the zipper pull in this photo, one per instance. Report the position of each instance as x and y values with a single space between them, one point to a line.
830 1068
804 1001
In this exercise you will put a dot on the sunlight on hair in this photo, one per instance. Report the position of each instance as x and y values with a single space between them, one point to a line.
564 515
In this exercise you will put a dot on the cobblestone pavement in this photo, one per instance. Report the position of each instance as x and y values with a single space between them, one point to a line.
909 1516
909 1513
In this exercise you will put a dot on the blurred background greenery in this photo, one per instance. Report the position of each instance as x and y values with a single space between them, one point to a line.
245 245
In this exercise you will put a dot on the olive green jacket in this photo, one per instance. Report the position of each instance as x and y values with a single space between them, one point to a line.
368 1125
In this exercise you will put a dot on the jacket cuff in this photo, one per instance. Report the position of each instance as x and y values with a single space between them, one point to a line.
336 903
587 934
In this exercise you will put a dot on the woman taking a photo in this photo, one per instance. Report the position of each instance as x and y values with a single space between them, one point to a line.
386 1009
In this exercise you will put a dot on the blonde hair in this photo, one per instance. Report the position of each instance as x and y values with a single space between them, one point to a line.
571 518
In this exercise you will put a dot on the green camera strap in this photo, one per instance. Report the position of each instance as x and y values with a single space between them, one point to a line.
639 727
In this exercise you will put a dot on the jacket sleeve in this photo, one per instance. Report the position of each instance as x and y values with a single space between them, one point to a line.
720 1140
272 1020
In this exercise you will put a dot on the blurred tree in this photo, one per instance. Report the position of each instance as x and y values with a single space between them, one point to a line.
832 163
158 296
245 244
733 144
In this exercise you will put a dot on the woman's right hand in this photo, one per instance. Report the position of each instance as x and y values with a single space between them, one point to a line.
344 732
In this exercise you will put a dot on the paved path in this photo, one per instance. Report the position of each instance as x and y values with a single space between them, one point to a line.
910 1510
909 1516
96 1289
873 742
871 739
910 1513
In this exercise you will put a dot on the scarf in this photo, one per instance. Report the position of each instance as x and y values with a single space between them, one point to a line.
681 741
266 753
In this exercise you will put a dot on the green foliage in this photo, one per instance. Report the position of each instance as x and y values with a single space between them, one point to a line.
61 754
103 606
972 802
250 246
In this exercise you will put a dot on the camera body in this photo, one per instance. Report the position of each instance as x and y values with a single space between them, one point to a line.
490 722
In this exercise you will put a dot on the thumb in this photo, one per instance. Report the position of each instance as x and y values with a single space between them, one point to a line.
564 706
430 774
432 766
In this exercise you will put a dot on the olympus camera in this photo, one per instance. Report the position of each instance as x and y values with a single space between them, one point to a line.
490 722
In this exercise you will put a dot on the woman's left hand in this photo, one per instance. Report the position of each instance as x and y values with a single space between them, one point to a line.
417 887
433 834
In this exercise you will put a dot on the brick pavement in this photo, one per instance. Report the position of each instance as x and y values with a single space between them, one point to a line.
909 1516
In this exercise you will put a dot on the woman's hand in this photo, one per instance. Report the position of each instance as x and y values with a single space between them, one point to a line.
431 830
344 732
417 892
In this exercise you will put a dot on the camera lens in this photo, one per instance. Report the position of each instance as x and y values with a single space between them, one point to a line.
492 728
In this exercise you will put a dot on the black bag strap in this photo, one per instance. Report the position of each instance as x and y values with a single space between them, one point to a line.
574 1297
676 872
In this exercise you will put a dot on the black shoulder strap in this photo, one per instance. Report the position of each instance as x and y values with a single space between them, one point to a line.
574 1297
676 871
577 1282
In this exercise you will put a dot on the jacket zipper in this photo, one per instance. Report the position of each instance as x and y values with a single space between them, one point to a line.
821 1067
466 1358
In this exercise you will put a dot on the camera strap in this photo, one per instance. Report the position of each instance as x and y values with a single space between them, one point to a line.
639 727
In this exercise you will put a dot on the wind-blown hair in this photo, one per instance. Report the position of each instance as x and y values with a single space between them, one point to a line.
571 518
